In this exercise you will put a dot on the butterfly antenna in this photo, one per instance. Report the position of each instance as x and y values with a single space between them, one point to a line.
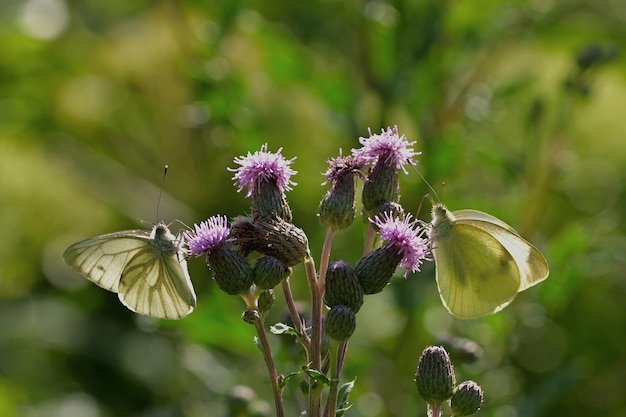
429 186
161 193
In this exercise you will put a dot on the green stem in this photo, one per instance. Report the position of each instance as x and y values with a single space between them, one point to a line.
370 237
315 391
305 340
338 355
271 367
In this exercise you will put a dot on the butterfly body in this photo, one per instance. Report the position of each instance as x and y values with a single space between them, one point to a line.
147 269
481 262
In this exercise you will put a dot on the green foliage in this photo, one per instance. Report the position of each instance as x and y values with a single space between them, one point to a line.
97 96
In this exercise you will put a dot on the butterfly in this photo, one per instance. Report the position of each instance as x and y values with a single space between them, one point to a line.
147 270
481 262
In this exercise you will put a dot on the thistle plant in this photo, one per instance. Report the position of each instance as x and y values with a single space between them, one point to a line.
256 252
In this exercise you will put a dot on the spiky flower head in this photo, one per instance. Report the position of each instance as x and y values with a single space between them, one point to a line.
466 399
388 147
207 236
342 286
337 208
273 237
407 236
340 323
435 377
388 152
267 176
231 272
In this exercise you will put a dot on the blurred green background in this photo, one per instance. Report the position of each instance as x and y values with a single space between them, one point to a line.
517 106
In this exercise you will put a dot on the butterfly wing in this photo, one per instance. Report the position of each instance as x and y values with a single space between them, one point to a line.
532 265
476 275
102 259
157 284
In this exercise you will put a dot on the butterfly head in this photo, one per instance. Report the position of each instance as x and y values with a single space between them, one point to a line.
443 220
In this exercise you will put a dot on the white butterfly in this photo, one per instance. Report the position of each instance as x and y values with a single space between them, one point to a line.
481 262
146 269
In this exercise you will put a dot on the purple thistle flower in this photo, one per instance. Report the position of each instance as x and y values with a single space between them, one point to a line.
344 165
263 166
208 236
389 147
408 236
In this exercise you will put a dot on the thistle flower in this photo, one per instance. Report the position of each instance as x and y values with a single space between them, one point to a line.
407 236
388 147
208 236
267 176
231 272
389 152
337 209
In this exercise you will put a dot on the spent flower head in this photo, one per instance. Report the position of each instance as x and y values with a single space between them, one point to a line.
407 235
207 236
344 166
388 147
263 166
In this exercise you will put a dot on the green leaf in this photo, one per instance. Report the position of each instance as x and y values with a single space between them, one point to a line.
316 375
343 396
282 328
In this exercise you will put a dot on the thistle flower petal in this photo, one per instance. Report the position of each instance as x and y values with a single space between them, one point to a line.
407 235
207 236
388 147
263 166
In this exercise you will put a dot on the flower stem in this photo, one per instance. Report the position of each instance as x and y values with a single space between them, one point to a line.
338 354
271 367
315 392
304 338
370 237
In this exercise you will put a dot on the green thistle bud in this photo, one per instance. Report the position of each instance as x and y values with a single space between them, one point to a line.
375 269
337 208
272 237
466 399
269 201
394 210
266 300
342 287
340 323
251 316
231 272
381 186
435 375
269 272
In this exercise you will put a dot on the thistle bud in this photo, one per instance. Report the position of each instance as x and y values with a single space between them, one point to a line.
337 208
272 237
374 270
466 399
250 316
231 272
269 272
388 209
435 375
340 323
266 300
269 201
381 186
342 287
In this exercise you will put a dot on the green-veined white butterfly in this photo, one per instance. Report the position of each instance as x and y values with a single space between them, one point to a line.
481 262
146 269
